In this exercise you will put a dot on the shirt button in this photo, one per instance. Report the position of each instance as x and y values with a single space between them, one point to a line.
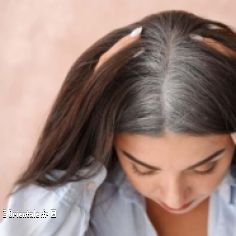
91 185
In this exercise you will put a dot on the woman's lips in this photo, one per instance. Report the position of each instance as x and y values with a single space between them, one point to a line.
174 209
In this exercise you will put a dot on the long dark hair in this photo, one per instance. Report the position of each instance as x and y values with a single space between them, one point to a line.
172 78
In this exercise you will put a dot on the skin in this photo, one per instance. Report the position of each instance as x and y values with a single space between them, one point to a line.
173 153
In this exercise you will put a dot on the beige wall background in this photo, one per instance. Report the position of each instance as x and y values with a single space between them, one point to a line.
39 42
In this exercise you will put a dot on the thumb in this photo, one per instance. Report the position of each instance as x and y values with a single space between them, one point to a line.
233 136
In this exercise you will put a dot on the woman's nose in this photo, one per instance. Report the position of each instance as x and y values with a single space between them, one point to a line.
176 193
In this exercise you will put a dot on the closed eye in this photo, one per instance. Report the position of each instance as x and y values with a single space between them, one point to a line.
139 172
207 170
203 171
213 157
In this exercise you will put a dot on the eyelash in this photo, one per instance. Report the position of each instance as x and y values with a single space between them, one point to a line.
209 171
151 172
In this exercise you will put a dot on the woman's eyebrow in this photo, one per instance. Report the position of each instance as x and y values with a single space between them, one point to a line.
207 159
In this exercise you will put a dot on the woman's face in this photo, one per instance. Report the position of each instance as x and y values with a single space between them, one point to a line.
175 169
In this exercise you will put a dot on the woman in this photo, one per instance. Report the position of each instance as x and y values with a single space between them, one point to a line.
140 141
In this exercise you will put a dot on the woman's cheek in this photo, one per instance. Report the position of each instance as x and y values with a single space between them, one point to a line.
209 183
143 184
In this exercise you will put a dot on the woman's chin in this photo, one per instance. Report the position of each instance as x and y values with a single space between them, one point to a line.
189 208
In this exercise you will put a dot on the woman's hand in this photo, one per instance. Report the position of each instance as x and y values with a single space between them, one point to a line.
233 136
133 36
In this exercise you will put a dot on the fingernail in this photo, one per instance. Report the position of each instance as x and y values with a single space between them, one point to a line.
212 26
136 31
196 36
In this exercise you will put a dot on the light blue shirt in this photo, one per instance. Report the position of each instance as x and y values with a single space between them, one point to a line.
103 205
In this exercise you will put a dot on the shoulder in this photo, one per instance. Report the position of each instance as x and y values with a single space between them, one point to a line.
71 193
34 208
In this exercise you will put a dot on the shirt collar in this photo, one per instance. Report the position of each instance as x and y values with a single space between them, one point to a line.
227 187
124 186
